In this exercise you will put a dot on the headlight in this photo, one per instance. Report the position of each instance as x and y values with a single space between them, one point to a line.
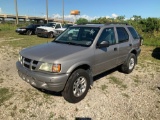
20 58
50 67
23 29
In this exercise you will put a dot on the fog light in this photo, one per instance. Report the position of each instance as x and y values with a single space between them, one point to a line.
44 85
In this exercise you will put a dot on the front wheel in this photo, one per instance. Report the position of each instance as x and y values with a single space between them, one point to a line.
77 86
50 35
29 32
129 64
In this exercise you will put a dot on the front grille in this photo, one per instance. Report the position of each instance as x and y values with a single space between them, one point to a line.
40 30
29 63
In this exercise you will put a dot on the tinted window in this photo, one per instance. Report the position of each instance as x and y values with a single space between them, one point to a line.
107 35
30 26
122 34
83 36
58 26
133 32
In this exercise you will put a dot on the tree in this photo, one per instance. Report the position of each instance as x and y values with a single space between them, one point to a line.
136 18
150 24
120 18
82 21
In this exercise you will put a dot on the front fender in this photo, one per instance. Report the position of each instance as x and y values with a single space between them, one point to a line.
76 65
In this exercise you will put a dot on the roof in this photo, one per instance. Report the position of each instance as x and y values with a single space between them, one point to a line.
103 25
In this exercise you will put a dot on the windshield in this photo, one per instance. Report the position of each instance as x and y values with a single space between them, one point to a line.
83 36
30 26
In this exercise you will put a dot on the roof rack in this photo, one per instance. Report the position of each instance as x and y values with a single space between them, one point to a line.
120 23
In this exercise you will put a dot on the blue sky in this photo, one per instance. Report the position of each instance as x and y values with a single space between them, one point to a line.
89 9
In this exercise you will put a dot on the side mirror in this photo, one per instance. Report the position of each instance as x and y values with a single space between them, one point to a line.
103 44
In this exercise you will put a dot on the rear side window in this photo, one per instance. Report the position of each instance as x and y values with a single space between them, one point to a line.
58 26
133 33
122 34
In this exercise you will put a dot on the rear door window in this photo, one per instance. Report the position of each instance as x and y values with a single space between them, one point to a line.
122 34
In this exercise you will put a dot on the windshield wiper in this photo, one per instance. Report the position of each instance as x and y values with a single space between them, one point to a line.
60 42
72 43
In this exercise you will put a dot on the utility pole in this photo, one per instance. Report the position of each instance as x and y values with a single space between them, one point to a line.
63 11
16 9
47 10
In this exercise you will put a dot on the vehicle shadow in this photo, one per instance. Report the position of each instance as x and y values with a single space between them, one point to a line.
105 73
59 94
156 53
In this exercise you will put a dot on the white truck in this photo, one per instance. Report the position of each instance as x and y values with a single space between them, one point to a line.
48 30
60 30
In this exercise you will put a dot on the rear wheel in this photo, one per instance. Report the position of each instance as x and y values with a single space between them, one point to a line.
129 64
29 32
77 86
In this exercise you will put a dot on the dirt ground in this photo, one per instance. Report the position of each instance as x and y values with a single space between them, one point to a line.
114 95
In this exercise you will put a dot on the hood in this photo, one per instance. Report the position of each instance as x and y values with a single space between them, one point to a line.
51 51
45 27
61 29
22 28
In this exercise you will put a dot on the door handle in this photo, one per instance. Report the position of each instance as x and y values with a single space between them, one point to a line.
115 49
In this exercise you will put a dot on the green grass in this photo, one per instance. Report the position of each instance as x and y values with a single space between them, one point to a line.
125 95
5 95
1 80
33 115
118 82
14 39
22 110
152 41
136 79
6 27
104 87
148 58
51 116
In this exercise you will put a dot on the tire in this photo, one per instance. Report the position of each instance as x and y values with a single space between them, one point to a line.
29 32
128 66
50 35
141 42
77 86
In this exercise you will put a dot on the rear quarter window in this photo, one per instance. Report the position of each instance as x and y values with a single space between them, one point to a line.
133 33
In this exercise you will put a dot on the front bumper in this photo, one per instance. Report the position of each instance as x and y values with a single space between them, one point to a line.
20 32
41 80
138 51
42 34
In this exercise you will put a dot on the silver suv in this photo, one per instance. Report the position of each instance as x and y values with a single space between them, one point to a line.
69 63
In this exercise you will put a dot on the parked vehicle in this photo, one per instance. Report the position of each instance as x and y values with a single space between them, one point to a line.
60 30
48 29
29 30
69 63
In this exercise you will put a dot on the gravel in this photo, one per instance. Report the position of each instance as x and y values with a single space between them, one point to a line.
134 96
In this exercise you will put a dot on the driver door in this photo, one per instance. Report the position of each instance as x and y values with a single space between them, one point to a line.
106 57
